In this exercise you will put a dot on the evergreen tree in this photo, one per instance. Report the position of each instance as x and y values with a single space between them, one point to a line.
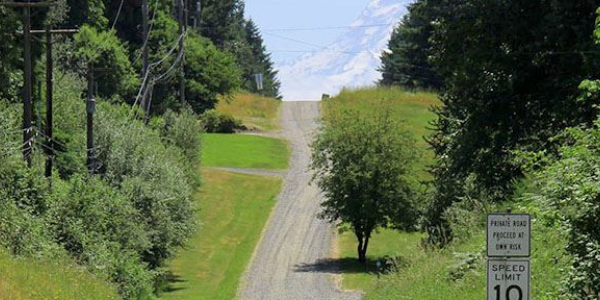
11 60
91 12
221 20
406 64
260 62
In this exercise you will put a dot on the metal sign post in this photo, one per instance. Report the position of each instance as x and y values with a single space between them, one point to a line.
258 78
508 251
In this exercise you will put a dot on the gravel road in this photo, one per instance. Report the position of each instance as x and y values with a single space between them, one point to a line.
293 260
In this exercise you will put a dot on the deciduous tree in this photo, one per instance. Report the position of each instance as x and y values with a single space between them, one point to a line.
363 164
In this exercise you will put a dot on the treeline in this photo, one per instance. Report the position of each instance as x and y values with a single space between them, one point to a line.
124 215
520 92
222 52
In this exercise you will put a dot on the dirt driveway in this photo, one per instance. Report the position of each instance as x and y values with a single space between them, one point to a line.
292 261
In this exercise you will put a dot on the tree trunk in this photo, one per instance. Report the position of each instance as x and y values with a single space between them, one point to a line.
365 246
361 256
363 243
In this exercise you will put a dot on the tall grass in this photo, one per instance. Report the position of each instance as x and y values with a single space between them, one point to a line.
31 279
255 112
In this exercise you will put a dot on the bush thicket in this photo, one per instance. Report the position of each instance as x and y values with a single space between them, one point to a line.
215 122
122 223
567 191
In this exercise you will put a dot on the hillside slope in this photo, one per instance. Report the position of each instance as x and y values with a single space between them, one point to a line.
30 279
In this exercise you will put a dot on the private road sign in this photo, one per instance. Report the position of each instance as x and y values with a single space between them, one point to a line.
508 235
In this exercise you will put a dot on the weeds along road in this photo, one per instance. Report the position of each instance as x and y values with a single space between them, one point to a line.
293 259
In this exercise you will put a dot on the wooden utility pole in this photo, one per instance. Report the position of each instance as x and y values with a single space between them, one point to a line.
27 74
49 100
27 105
90 108
197 10
49 149
180 17
145 55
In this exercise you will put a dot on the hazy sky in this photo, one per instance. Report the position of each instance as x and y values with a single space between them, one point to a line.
277 18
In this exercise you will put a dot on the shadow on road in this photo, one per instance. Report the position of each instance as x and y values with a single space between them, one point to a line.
346 265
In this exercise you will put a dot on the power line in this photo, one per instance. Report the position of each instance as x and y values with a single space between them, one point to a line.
315 28
320 47
118 14
142 92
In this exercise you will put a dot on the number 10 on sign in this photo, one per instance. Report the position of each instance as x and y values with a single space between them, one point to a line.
508 279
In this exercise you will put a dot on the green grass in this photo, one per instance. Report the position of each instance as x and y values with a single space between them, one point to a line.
414 108
30 279
424 274
244 151
255 112
233 209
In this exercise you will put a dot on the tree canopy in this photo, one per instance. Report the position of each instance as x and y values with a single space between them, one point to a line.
363 164
511 72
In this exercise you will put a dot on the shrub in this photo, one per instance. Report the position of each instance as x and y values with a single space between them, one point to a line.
151 175
214 122
568 192
182 130
101 229
22 194
467 216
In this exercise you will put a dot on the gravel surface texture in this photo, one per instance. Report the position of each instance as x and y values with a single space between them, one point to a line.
293 260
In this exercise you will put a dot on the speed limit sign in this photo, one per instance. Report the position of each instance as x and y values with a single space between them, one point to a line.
508 279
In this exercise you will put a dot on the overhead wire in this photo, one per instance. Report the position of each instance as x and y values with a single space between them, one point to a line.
315 28
143 91
118 15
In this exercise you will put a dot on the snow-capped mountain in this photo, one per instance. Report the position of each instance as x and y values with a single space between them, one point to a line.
351 61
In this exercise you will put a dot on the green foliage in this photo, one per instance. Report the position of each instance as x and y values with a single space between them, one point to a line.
215 122
182 131
224 24
407 64
22 193
12 52
86 12
102 229
208 72
511 73
220 20
104 52
69 134
254 59
120 225
568 193
363 162
153 177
